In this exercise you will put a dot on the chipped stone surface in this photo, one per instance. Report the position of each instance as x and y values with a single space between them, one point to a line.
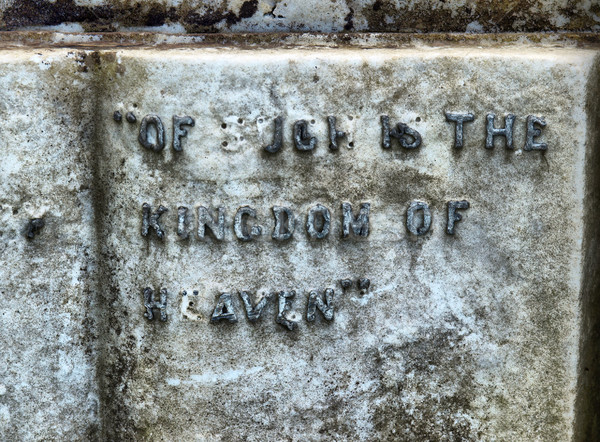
473 336
194 16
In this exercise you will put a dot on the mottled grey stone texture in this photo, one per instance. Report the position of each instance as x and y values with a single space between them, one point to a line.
48 342
194 16
487 334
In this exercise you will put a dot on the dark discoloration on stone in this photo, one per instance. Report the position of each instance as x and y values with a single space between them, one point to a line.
206 21
480 16
102 18
358 15
349 26
29 13
437 357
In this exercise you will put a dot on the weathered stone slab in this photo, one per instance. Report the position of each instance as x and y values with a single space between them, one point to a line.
471 335
460 308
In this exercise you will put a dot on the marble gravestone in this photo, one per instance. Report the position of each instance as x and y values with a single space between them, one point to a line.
372 239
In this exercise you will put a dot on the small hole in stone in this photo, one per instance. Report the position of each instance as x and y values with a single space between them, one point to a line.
241 138
350 117
15 211
240 121
134 104
351 144
224 126
312 121
224 143
418 119
260 120
191 304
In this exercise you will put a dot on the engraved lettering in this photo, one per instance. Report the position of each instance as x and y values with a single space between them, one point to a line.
117 116
360 224
240 224
224 309
285 305
150 219
506 131
411 219
253 312
206 221
400 133
277 137
179 132
130 117
311 226
150 303
459 119
453 215
533 132
182 222
155 142
334 134
316 302
284 223
302 139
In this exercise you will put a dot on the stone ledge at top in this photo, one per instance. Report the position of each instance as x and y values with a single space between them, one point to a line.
199 16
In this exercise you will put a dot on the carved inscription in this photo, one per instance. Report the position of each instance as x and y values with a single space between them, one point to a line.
153 134
212 222
318 301
315 222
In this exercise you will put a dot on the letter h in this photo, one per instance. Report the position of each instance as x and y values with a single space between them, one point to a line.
150 303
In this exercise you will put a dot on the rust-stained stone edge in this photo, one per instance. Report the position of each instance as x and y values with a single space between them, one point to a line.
111 40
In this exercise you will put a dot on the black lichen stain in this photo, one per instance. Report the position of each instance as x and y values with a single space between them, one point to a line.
519 16
34 227
43 13
349 26
97 18
435 369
